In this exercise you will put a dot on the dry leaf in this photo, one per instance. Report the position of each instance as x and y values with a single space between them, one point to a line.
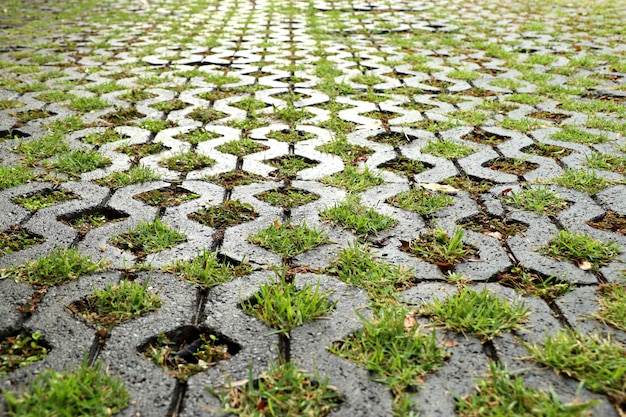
497 235
406 245
358 159
277 224
585 265
433 186
506 191
409 321
449 342
578 47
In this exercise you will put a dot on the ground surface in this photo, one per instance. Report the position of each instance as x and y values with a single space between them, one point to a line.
532 93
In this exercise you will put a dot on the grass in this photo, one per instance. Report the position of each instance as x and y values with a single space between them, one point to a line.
421 201
361 220
45 199
289 165
76 162
596 361
612 302
288 240
608 162
17 239
582 180
207 270
235 178
197 136
166 197
447 149
116 304
539 200
205 351
86 391
229 213
242 147
394 349
576 135
58 267
100 138
283 307
87 104
35 150
357 265
186 162
500 393
119 179
479 313
287 198
148 237
437 247
92 219
20 350
354 179
582 249
141 150
526 283
283 390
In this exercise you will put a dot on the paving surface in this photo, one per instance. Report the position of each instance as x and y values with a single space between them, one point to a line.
398 80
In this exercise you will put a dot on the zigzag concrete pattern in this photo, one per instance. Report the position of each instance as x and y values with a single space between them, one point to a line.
509 81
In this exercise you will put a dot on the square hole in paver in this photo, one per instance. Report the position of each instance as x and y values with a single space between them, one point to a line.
479 135
188 350
232 179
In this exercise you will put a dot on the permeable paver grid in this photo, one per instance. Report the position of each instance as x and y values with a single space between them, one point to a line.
309 207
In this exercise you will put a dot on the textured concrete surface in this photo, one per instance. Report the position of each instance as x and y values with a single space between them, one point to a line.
398 69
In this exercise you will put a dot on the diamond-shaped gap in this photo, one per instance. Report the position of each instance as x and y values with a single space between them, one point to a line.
290 135
43 199
283 307
187 161
33 114
12 134
123 116
305 392
141 150
166 197
232 179
291 96
472 185
229 213
405 166
115 304
242 147
500 228
515 166
20 348
100 138
547 150
384 116
420 107
170 105
206 114
16 239
147 238
531 283
552 117
188 350
289 240
440 84
439 248
197 136
479 135
610 222
289 165
394 139
92 219
287 197
208 269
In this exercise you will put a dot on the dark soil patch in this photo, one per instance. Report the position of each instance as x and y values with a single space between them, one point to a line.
479 135
511 166
166 197
549 151
229 213
610 222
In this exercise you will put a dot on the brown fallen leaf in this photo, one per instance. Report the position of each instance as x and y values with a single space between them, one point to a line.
358 159
277 224
409 321
497 235
585 265
449 342
506 191
406 245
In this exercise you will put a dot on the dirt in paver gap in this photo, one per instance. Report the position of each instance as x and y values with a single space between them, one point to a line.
166 76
